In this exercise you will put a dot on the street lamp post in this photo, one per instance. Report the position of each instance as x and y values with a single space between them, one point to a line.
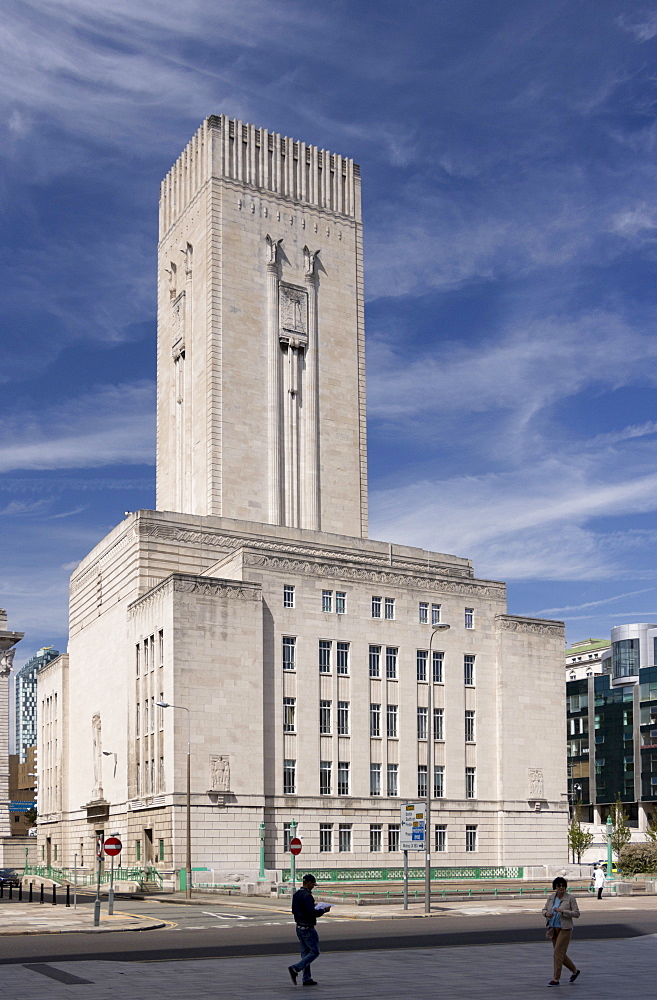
188 853
441 627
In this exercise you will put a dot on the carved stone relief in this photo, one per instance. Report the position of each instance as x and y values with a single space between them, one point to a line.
529 627
536 783
96 736
6 661
219 773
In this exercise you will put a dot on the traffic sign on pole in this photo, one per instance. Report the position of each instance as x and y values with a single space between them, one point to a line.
412 826
113 846
295 846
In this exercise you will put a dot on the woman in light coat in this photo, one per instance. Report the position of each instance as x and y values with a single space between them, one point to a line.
560 908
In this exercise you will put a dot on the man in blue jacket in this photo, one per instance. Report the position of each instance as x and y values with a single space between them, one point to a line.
305 914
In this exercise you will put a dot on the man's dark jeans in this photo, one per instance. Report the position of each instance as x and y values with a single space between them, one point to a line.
309 941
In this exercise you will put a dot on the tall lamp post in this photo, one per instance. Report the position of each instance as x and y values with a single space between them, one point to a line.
188 853
440 627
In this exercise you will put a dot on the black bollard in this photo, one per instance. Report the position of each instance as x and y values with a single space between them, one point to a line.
11 891
41 899
20 892
54 895
30 899
2 890
68 895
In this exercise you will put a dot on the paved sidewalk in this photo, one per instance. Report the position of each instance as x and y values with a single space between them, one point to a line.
610 969
34 918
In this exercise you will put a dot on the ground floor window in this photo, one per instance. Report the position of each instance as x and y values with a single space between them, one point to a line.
325 838
393 837
344 837
376 837
471 838
441 837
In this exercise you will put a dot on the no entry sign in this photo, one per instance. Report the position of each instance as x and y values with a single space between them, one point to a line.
113 846
295 846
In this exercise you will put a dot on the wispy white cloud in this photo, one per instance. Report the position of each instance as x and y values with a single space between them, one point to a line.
643 28
595 604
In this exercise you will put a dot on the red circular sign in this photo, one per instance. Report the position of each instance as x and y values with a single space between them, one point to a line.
113 846
295 846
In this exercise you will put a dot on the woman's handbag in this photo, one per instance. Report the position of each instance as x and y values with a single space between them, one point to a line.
549 931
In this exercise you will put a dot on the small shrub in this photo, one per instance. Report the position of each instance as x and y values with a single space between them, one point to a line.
637 859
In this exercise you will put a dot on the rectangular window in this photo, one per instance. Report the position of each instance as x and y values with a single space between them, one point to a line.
325 768
469 617
438 723
376 838
391 662
343 718
375 779
438 659
423 613
289 715
469 726
375 661
393 788
342 658
468 669
289 652
325 838
470 838
137 657
341 602
391 721
469 782
422 723
325 656
421 664
422 781
138 850
325 717
160 635
287 837
390 608
138 720
161 851
375 719
138 778
289 777
343 777
344 837
440 842
327 600
288 595
376 607
393 837
435 614
439 781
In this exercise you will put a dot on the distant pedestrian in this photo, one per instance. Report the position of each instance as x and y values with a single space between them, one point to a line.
560 909
305 914
599 879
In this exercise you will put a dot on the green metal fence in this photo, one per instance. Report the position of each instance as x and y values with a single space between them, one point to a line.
91 878
396 874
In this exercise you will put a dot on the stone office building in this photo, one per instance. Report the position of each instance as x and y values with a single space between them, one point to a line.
296 647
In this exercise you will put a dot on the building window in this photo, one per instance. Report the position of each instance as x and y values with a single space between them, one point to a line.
343 778
376 607
375 779
469 727
325 717
470 838
161 851
138 850
393 837
376 838
391 721
438 723
325 656
439 781
342 658
288 595
435 614
468 669
422 781
390 608
289 713
287 837
375 720
393 788
375 661
327 600
325 838
391 662
438 659
289 652
138 720
341 602
344 837
422 723
469 782
137 657
423 613
440 841
421 664
289 777
343 718
325 768
469 617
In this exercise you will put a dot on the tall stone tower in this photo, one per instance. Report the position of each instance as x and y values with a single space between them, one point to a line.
261 376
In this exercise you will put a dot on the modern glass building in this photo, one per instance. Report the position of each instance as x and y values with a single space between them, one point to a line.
612 729
25 686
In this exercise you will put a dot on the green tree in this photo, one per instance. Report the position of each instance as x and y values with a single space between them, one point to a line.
31 815
620 831
651 829
579 840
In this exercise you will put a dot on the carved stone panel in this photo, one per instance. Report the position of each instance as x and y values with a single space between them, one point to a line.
219 773
536 783
293 305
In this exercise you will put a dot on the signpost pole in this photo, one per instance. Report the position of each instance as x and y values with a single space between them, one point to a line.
110 904
75 881
405 880
99 858
293 858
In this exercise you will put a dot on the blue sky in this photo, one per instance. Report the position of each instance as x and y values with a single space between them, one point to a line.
509 172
